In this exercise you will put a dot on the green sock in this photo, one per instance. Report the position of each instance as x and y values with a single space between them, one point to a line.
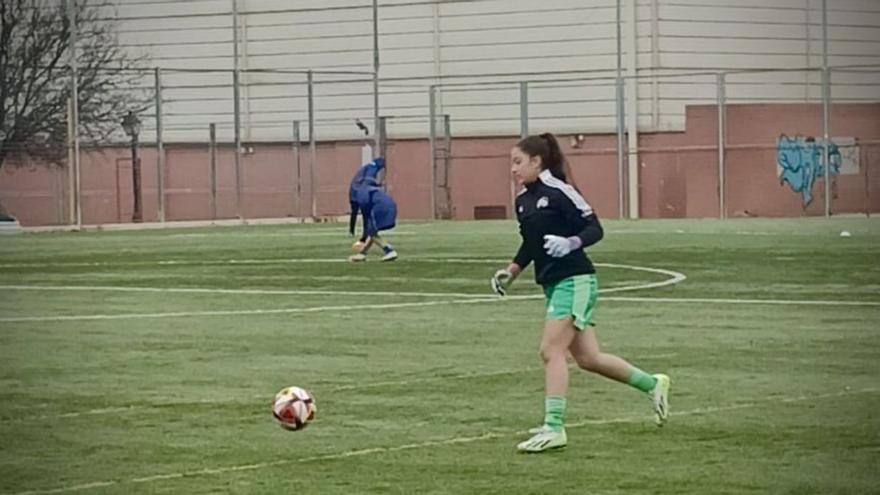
641 380
554 411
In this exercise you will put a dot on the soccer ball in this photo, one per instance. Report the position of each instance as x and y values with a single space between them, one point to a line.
293 408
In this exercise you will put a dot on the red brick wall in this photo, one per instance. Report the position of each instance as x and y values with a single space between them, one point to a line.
678 173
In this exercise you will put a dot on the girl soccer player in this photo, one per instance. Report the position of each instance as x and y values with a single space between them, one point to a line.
556 224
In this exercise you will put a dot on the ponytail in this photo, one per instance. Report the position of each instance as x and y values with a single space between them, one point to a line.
556 162
547 147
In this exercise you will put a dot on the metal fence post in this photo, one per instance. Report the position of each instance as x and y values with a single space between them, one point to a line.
313 146
523 133
620 110
137 215
297 198
621 188
382 136
76 193
826 134
212 152
523 109
160 148
236 95
631 115
826 108
619 35
71 179
432 144
655 62
447 138
448 208
722 207
376 144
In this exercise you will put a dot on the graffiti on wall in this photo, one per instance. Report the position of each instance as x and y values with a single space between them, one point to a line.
799 161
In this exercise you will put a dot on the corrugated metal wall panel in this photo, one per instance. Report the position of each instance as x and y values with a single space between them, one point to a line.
484 37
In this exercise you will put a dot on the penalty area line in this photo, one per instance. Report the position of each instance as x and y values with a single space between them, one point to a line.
704 300
460 298
320 389
436 443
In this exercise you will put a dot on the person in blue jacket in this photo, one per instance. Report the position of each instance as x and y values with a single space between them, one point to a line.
378 209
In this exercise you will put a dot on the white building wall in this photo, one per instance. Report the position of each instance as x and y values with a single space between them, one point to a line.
566 49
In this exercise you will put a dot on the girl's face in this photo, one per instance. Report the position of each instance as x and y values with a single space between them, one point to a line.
525 168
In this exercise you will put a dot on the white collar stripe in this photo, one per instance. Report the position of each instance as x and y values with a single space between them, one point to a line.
572 194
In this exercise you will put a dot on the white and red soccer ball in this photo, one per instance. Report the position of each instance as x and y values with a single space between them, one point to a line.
293 408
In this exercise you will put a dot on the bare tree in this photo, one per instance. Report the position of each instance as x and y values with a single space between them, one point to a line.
35 76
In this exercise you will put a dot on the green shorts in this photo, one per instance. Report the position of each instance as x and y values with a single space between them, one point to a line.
572 297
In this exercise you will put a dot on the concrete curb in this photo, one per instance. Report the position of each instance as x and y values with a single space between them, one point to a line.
236 222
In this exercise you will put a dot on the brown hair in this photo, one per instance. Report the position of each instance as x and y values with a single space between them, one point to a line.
547 147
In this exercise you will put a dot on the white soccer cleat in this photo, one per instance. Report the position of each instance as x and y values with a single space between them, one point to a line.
539 429
391 256
546 440
357 258
660 399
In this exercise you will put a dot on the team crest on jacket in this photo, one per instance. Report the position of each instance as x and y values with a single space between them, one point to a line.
543 202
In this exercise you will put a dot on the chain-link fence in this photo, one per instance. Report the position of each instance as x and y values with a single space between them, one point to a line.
182 159
854 155
251 113
730 144
214 131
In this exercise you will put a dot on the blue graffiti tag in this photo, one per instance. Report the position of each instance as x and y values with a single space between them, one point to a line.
800 159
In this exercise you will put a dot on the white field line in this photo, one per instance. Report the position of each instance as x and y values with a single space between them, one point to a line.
674 277
244 279
436 443
460 298
245 312
261 292
703 300
263 261
728 233
341 234
249 279
68 264
422 231
267 261
321 392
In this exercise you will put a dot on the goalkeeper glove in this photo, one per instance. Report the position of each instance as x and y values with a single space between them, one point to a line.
557 246
501 281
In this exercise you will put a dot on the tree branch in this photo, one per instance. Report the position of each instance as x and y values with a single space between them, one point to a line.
35 79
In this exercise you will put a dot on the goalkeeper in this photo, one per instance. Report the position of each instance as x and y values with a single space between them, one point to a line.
556 224
378 209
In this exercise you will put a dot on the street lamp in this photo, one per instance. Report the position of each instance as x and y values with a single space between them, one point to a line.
131 124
